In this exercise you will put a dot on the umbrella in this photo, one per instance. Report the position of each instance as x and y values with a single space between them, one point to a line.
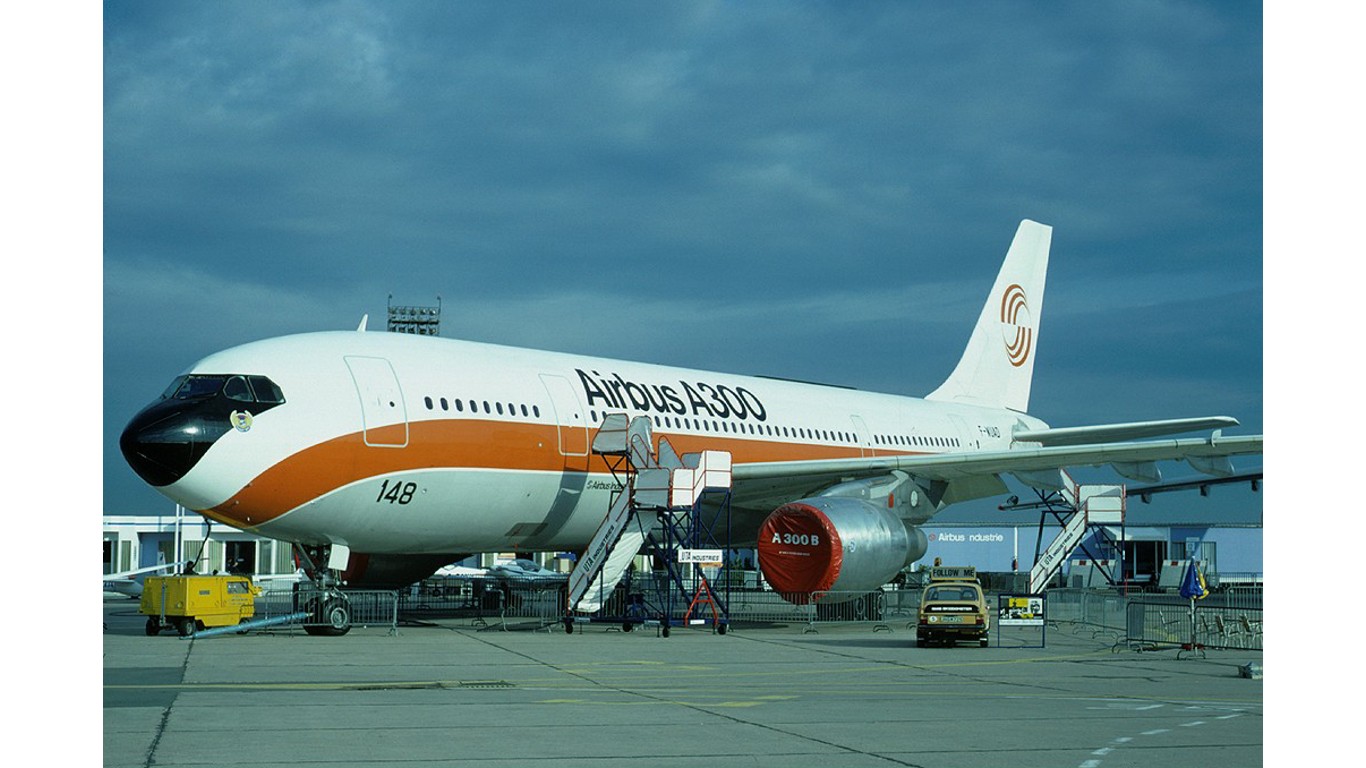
1193 585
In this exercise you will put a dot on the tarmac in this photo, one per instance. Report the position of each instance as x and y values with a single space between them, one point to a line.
451 693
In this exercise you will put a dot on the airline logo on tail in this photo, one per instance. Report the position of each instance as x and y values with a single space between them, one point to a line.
1016 324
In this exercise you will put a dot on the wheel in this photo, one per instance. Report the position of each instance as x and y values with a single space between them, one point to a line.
627 626
153 626
337 616
664 630
187 627
986 642
720 629
336 619
569 626
244 620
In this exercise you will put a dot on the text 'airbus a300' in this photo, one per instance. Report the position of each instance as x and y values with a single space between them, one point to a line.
389 455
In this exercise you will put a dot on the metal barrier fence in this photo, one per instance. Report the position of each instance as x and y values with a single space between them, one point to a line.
1154 625
368 608
1231 619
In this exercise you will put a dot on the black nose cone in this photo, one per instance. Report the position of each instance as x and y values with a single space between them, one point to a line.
166 439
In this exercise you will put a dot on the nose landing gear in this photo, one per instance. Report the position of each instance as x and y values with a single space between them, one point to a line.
328 607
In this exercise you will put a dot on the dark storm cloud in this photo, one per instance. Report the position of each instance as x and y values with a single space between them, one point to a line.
640 180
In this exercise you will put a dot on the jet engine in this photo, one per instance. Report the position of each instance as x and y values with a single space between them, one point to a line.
835 544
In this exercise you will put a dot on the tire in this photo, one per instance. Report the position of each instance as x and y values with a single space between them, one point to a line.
153 627
336 619
187 627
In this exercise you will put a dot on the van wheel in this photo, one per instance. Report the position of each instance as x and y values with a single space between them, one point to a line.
153 626
187 627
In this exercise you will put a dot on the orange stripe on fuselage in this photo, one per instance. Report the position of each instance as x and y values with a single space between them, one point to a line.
453 443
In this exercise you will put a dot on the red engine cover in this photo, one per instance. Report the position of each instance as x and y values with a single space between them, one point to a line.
800 550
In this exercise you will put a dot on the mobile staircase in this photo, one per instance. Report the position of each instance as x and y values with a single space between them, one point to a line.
1076 507
659 506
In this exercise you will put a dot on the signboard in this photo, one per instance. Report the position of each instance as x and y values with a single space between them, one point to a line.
700 556
953 573
1020 610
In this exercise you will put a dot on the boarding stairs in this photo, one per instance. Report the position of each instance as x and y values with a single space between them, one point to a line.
1090 505
655 483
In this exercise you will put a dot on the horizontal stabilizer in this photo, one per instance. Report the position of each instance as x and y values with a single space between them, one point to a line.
1111 433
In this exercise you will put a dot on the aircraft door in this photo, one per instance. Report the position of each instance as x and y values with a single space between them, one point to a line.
384 417
569 415
865 440
968 437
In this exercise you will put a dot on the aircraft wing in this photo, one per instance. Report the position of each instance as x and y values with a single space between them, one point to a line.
971 475
1107 433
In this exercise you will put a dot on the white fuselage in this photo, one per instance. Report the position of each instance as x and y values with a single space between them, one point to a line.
394 443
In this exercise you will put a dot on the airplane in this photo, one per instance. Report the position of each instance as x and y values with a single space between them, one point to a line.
389 455
514 570
521 570
124 584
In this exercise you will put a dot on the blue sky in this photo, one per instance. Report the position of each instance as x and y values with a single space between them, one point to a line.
820 191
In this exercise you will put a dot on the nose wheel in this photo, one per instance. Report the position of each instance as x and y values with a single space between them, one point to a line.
329 609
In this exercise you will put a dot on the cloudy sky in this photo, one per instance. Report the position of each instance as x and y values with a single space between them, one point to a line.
820 191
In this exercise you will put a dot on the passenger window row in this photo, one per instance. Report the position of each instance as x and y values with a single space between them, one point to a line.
918 441
717 426
483 406
720 426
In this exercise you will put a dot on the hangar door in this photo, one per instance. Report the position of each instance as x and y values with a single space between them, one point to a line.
384 417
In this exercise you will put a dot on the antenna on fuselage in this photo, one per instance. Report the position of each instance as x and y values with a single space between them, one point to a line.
363 320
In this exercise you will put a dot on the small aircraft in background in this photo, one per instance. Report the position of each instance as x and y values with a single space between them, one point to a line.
123 584
521 569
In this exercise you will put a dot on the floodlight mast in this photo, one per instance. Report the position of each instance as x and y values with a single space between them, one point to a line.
423 321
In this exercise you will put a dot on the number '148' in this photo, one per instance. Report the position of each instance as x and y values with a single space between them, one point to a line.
396 492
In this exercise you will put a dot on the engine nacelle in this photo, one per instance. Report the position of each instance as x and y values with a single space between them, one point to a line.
836 544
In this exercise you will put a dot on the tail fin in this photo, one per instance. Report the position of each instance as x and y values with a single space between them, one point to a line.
998 365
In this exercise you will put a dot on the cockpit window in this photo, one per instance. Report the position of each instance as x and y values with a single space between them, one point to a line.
195 387
236 389
265 389
246 389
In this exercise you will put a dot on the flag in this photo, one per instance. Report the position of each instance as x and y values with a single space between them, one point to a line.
1193 585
